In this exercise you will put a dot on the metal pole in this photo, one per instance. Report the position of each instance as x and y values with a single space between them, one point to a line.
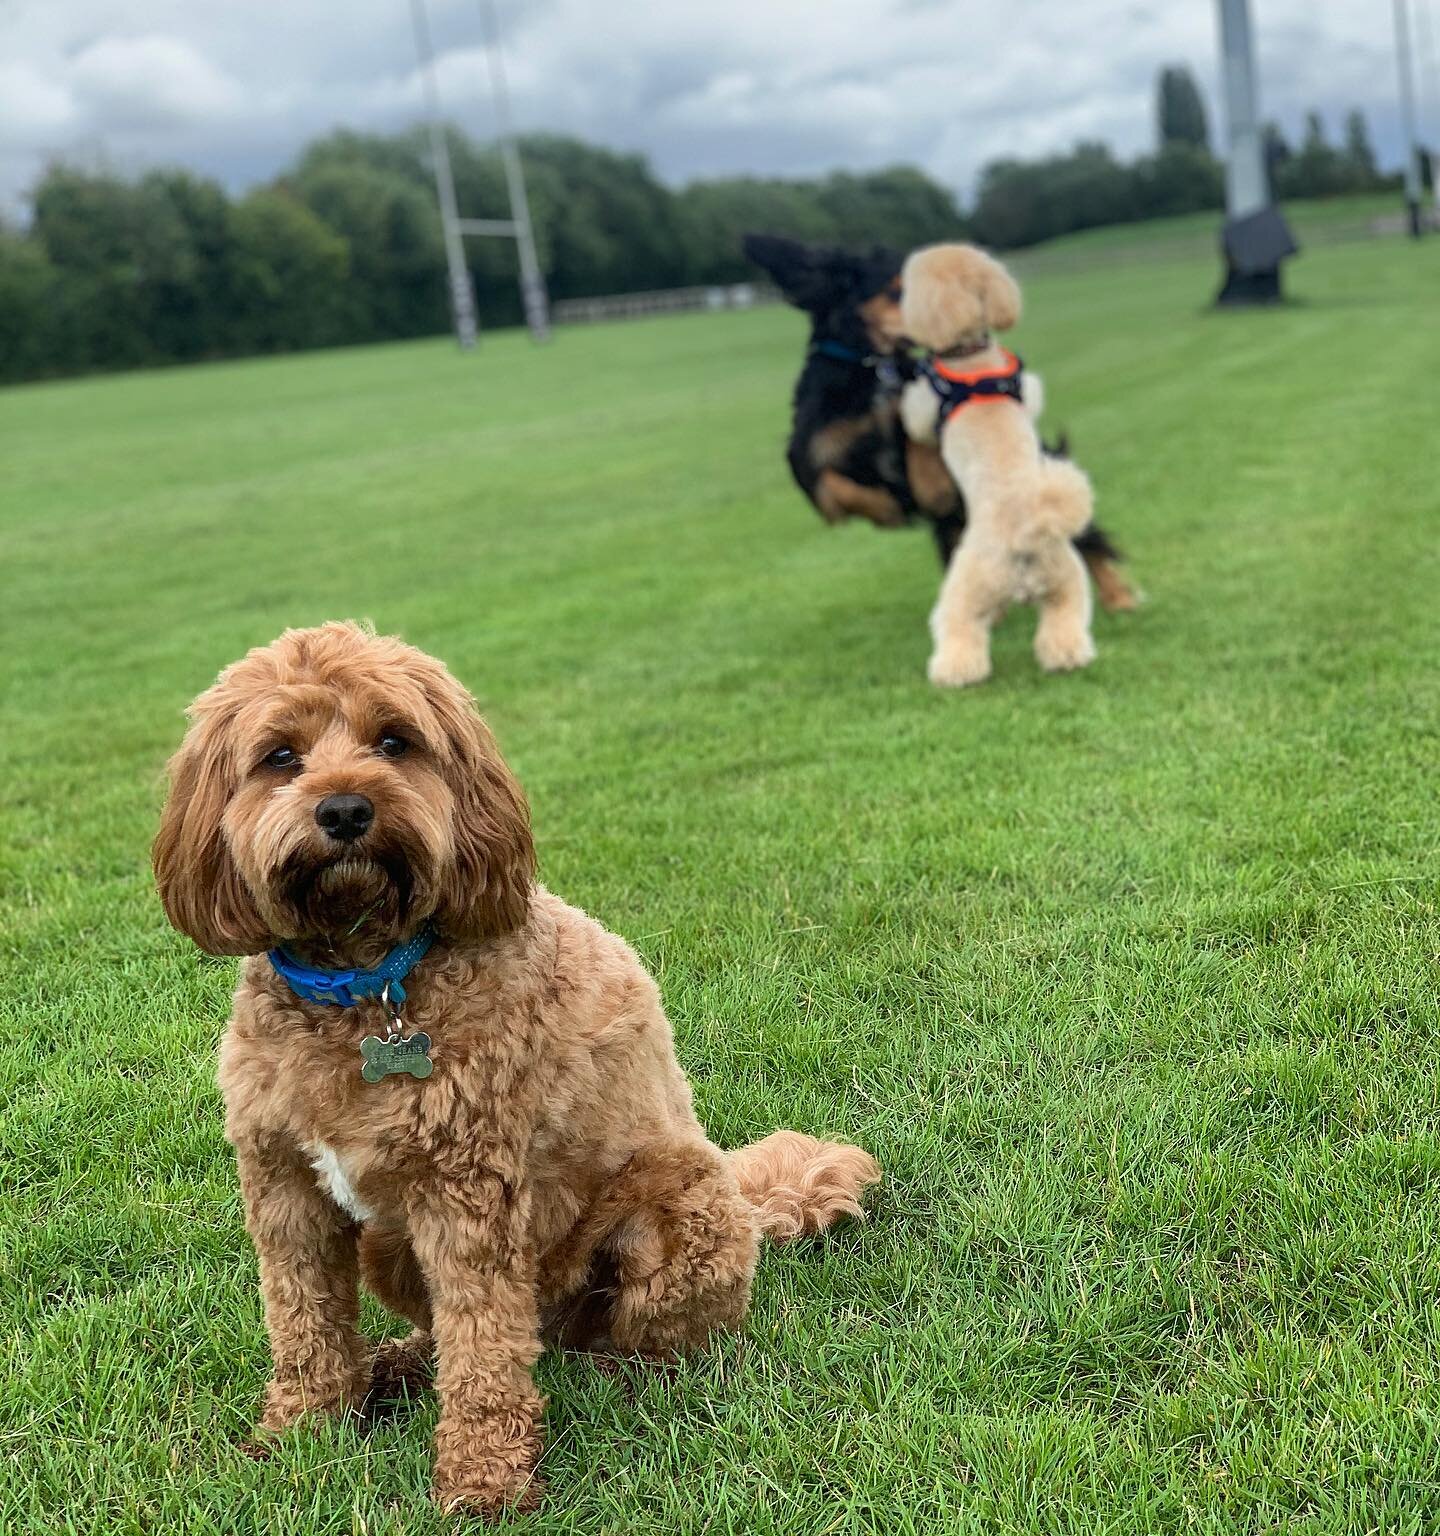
1427 93
1407 116
1256 238
1246 185
532 280
462 292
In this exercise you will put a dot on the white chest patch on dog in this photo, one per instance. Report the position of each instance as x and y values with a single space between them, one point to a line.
335 1181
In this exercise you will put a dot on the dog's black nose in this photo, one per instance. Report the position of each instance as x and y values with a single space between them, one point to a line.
344 817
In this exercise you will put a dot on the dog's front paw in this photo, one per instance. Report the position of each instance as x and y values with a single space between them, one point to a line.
1064 652
489 1493
291 1402
485 1466
958 669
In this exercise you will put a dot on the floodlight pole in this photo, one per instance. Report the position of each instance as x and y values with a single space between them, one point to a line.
1427 99
1407 117
462 291
1256 238
1246 185
532 280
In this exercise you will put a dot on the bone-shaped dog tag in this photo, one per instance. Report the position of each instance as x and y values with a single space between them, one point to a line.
384 1057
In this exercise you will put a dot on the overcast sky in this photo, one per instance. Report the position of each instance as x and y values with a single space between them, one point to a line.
792 87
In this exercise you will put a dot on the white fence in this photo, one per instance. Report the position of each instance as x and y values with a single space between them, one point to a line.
664 301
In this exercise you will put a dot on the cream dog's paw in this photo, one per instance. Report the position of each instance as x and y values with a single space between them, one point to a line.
958 669
920 412
1064 652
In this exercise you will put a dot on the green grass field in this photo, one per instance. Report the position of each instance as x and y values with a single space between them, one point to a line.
1128 978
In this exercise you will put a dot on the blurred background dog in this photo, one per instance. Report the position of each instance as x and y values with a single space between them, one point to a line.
1025 507
847 450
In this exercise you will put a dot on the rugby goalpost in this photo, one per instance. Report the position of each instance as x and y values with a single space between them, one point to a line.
455 228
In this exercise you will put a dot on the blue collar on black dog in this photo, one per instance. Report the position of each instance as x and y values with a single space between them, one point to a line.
345 989
838 350
885 368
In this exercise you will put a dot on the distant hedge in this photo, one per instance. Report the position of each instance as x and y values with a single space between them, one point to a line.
345 246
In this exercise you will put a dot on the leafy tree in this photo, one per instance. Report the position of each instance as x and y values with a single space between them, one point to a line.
289 273
404 154
900 206
1318 169
1277 152
110 243
1021 202
1358 149
29 342
603 223
713 215
184 264
396 283
1180 109
86 222
1180 179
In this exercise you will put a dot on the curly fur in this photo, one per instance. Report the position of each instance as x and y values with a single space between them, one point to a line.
550 1179
1024 507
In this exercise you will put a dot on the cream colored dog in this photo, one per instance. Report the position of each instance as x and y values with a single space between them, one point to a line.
1023 507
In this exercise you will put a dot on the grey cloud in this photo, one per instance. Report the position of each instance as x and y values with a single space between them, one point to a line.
703 87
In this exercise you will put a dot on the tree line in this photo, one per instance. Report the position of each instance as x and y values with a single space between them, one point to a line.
1021 202
345 246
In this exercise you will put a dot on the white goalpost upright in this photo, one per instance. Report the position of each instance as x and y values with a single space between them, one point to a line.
532 280
455 228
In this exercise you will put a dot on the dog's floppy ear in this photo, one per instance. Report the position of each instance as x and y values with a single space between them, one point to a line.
200 886
805 274
1000 294
488 889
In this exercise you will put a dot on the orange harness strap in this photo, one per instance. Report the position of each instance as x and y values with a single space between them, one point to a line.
958 389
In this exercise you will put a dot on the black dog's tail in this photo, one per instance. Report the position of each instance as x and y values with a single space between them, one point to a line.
1093 540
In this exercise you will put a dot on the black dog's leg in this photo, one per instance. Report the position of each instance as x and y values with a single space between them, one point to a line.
1102 560
1094 543
947 531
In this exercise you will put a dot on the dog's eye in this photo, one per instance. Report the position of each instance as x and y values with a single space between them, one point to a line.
282 757
391 745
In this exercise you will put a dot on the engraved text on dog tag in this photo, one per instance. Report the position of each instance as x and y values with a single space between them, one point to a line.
382 1057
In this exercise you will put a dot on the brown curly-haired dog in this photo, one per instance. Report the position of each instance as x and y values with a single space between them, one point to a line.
335 794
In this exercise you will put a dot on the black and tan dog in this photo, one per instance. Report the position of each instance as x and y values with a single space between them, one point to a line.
847 450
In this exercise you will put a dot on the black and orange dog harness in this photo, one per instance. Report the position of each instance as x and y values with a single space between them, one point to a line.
957 389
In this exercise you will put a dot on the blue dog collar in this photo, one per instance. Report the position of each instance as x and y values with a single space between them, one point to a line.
345 989
838 350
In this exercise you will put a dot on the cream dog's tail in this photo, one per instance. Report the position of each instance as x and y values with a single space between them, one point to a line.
1064 504
799 1184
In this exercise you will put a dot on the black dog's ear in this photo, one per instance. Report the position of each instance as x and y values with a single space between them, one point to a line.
805 274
